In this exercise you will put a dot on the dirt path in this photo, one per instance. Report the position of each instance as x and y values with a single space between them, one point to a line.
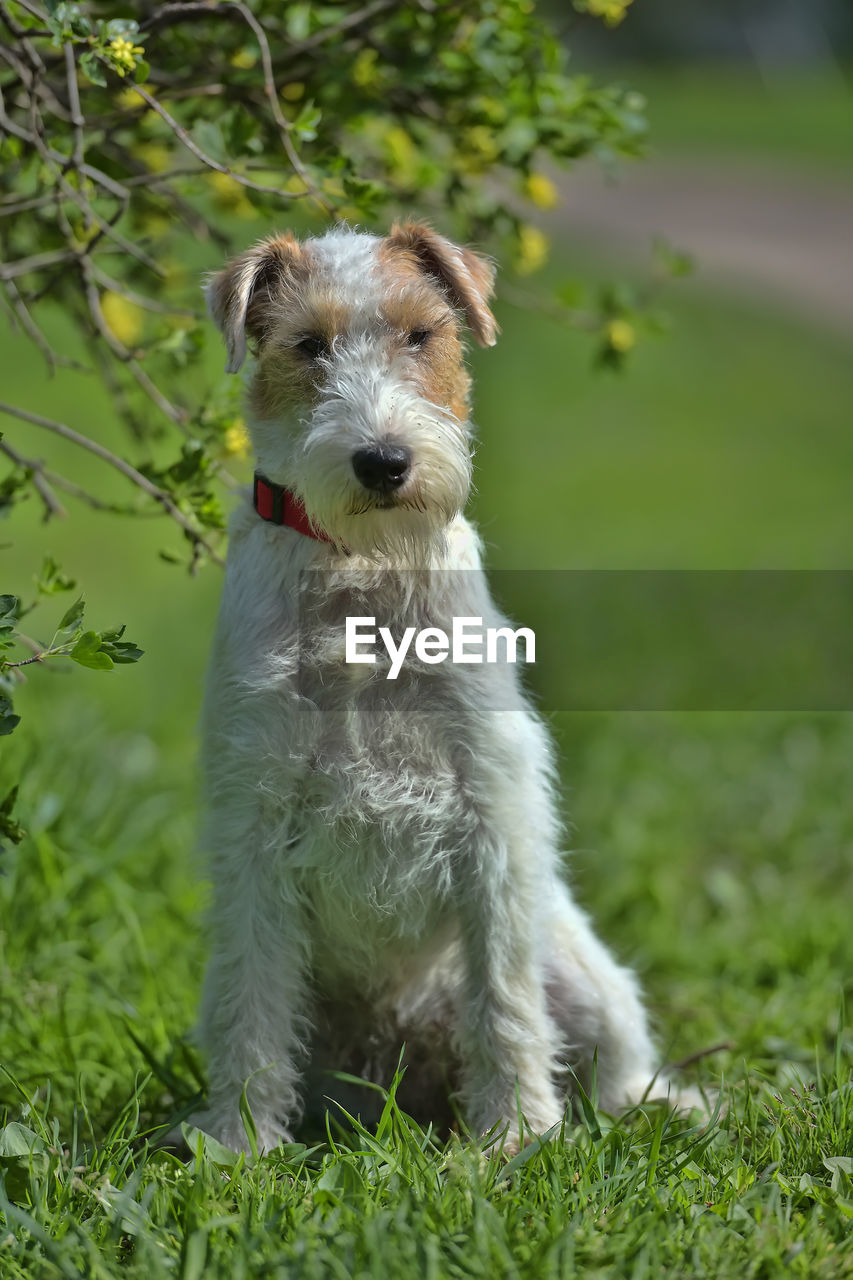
787 235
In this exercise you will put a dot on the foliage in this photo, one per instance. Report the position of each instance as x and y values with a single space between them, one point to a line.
97 650
127 143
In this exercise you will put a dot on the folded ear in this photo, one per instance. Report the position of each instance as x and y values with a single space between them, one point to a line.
239 296
466 276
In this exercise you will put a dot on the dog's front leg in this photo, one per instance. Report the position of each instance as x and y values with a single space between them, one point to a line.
507 1041
252 1020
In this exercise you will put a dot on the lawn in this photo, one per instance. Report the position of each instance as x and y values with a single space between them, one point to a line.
714 849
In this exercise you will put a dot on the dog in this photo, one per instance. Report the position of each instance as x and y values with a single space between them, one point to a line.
385 856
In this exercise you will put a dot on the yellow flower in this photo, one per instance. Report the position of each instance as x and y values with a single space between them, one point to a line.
364 68
123 54
541 190
621 335
236 442
123 317
612 12
480 141
231 194
128 100
154 155
532 250
244 59
402 152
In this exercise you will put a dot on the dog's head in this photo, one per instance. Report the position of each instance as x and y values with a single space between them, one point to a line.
359 393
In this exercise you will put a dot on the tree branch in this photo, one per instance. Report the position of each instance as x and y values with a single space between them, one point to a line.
191 145
41 482
129 472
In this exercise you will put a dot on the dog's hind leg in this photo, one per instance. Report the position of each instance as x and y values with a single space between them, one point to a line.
596 1004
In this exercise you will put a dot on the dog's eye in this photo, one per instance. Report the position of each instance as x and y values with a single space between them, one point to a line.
418 338
313 345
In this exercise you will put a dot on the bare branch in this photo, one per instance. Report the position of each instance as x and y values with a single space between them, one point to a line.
12 205
139 299
40 479
348 23
284 126
93 299
77 491
28 324
129 472
724 1046
55 158
191 145
77 118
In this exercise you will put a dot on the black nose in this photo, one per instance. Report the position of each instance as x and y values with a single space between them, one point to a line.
382 468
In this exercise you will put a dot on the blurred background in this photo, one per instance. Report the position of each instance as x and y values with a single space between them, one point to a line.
725 441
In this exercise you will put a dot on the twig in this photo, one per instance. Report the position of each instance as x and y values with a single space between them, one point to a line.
41 483
83 495
13 205
93 299
544 306
328 33
125 468
56 158
191 145
726 1045
139 299
172 13
28 324
78 120
284 126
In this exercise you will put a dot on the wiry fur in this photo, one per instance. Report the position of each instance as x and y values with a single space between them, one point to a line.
385 856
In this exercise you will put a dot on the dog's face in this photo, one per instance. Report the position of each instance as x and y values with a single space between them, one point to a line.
359 394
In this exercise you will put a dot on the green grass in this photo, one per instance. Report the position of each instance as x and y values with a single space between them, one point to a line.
789 116
713 851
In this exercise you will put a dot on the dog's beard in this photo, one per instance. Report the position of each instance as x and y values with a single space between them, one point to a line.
408 523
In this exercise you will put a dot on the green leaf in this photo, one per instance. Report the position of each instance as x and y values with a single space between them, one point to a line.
17 1140
215 1151
9 607
8 720
51 580
88 653
121 651
121 27
71 619
93 69
141 71
209 137
22 1152
9 828
122 654
249 1121
305 124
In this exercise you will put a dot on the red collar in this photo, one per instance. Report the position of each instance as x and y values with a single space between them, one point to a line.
278 505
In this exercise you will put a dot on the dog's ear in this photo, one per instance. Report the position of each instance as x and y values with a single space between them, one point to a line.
468 277
239 296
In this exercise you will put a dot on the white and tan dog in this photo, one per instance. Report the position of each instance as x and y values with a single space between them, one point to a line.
385 856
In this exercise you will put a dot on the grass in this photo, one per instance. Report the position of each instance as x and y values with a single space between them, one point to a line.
782 116
732 831
713 849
